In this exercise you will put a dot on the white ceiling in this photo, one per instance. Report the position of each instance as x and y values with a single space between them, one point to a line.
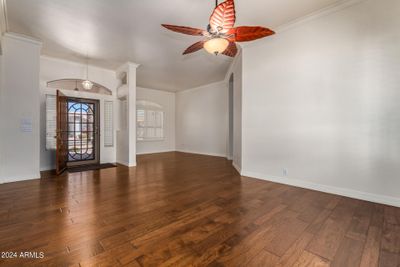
112 32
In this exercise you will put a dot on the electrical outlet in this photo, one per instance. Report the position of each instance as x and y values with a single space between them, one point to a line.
285 172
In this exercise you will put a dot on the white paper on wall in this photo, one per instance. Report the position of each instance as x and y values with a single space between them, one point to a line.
26 125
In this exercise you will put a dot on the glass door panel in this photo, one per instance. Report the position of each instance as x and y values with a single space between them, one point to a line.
82 135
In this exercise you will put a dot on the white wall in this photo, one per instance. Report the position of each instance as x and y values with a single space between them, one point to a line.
167 101
122 156
1 114
20 103
54 69
321 100
202 120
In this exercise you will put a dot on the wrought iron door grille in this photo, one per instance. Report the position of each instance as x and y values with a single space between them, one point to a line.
81 131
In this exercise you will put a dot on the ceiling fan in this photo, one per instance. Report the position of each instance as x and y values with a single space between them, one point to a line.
221 36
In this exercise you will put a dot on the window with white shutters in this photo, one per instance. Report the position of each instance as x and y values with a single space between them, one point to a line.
108 124
150 121
51 122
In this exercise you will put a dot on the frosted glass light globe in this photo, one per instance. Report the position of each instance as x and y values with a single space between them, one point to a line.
88 85
216 45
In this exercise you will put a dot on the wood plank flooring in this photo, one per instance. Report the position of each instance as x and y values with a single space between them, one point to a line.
178 209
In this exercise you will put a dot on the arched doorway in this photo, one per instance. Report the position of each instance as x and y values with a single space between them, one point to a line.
75 123
231 108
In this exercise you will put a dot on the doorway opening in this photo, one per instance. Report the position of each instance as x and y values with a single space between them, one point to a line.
231 108
78 139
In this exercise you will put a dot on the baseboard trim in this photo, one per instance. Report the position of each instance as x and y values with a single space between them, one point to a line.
47 168
20 178
237 167
155 152
201 153
126 164
381 199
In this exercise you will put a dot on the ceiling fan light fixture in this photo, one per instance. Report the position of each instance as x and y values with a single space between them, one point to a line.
216 45
221 35
88 85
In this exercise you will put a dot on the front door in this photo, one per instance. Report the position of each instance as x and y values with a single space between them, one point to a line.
61 133
83 132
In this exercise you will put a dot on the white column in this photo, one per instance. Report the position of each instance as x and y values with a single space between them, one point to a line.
132 113
126 136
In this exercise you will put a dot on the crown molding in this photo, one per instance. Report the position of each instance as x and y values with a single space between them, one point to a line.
155 89
233 64
21 37
133 65
222 82
318 14
126 66
120 71
310 17
73 62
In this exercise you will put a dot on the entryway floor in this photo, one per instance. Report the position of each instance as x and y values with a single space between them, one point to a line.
177 209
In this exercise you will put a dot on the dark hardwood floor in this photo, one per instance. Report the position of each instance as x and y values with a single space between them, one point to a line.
178 209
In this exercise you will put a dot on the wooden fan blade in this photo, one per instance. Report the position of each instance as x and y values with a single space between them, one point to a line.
194 47
184 30
231 51
246 33
224 16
